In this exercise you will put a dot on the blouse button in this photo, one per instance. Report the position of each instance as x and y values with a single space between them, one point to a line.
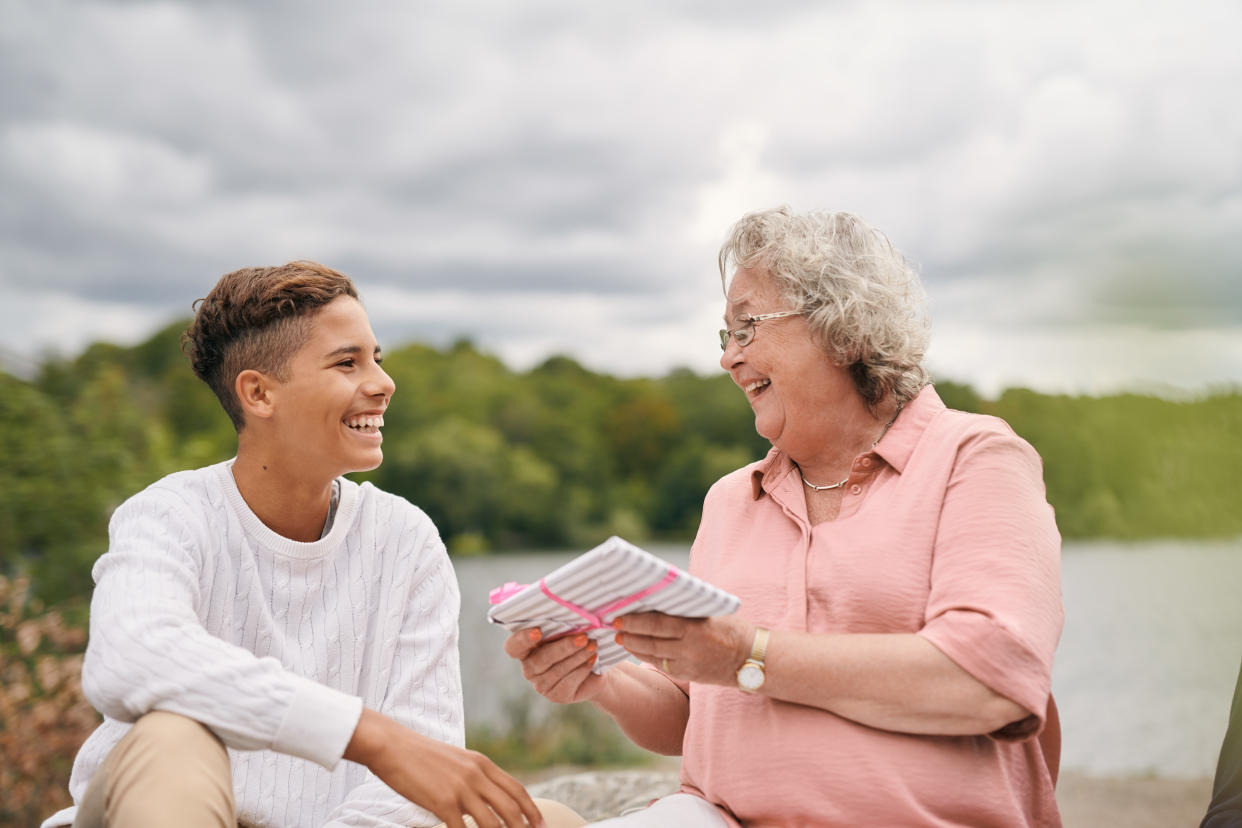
866 462
855 489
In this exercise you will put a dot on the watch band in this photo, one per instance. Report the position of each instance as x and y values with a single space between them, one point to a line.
759 649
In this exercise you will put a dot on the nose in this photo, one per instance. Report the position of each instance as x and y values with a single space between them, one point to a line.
380 384
731 356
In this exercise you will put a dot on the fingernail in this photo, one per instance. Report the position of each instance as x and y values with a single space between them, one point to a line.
594 657
592 647
580 640
616 623
535 634
617 638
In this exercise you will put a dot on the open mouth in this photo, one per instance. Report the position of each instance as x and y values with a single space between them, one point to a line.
754 389
366 424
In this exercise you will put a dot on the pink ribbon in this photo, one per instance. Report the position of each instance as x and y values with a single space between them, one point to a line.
595 620
507 590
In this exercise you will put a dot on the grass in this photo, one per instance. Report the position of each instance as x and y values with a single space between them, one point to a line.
575 734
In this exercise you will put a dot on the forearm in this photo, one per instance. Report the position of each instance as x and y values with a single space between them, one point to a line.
428 778
371 737
648 707
897 682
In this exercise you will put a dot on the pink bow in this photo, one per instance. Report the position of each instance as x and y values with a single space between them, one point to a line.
506 590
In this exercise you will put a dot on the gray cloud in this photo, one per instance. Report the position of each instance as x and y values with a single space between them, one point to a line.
1059 173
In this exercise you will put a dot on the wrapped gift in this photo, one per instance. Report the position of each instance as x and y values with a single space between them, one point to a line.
611 580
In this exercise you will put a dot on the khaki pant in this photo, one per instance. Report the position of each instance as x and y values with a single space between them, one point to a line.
171 769
166 769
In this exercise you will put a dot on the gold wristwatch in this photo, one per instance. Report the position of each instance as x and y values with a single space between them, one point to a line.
750 675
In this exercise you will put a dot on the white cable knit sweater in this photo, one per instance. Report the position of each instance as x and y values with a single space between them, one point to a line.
274 644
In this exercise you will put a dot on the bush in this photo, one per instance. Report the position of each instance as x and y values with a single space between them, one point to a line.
44 717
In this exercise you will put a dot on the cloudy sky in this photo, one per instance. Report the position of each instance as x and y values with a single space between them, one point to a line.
555 177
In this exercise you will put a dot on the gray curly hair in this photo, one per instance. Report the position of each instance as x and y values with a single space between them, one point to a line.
864 302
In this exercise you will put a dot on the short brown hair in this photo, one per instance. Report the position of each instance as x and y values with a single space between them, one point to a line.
257 318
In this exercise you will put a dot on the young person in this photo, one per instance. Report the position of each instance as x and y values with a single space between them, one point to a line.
257 621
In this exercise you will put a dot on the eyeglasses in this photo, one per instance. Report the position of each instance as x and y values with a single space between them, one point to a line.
745 335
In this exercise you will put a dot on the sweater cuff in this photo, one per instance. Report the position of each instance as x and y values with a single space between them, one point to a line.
319 723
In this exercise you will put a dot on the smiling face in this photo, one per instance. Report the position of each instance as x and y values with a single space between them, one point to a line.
327 414
792 385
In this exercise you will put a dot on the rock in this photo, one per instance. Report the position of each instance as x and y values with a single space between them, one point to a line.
1133 801
602 794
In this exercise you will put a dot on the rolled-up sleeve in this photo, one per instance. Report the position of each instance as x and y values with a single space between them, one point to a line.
994 605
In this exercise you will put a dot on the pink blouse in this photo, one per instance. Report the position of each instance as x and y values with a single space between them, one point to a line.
944 531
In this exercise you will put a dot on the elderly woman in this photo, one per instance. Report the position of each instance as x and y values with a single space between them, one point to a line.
897 562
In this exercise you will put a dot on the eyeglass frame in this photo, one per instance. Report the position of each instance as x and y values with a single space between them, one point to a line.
727 335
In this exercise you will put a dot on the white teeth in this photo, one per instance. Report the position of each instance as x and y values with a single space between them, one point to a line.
757 384
366 423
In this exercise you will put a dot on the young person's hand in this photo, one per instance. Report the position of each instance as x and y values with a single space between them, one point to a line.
447 780
559 669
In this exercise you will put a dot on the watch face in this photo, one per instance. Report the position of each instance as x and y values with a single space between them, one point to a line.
750 677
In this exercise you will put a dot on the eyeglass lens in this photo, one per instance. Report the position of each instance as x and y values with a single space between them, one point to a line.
742 335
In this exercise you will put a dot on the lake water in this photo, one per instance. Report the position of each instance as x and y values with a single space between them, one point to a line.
1143 676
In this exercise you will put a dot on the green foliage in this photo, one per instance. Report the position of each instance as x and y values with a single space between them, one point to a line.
38 473
472 483
70 462
556 456
1130 466
83 436
684 478
958 396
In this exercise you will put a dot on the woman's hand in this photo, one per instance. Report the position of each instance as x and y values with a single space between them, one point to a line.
648 707
706 650
560 669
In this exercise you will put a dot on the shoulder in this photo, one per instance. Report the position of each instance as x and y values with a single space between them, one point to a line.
191 496
927 432
392 520
963 443
966 426
406 544
177 521
375 501
969 431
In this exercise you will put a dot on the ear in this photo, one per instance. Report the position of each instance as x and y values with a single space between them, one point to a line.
254 392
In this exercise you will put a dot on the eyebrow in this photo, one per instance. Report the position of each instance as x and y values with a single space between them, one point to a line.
350 350
739 307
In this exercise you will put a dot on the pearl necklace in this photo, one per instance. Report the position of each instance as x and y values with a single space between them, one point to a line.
846 479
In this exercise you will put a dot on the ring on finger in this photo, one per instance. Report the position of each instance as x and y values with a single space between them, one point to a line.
664 661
